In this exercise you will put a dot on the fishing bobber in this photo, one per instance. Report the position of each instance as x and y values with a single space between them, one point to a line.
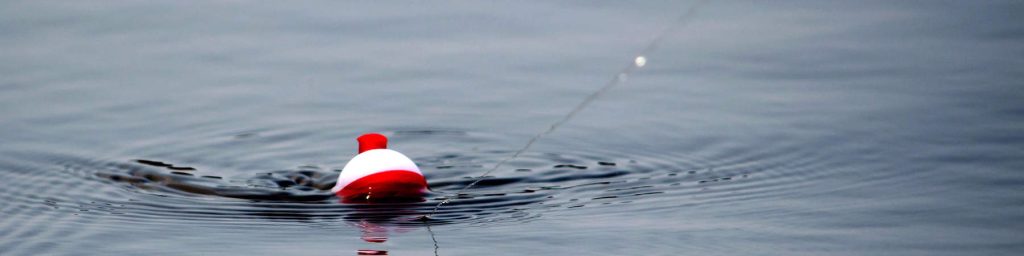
378 174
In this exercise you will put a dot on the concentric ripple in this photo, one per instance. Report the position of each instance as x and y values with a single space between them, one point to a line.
142 186
282 176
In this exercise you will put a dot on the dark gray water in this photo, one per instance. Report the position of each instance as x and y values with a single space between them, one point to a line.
759 128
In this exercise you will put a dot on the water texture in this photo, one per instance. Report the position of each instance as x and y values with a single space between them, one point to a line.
758 128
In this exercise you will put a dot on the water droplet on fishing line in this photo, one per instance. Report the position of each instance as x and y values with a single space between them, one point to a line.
640 61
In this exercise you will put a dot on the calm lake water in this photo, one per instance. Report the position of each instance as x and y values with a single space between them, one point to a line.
756 128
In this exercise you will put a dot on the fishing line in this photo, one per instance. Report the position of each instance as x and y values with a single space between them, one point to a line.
434 238
638 62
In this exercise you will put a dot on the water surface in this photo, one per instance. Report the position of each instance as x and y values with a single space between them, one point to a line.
781 128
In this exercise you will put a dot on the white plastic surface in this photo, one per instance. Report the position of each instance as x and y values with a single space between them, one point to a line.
373 161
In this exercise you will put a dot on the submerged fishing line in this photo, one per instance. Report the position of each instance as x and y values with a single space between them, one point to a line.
637 63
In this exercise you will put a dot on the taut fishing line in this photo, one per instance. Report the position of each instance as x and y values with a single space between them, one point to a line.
639 61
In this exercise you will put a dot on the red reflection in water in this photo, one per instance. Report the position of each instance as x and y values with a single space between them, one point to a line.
371 252
377 233
377 224
373 233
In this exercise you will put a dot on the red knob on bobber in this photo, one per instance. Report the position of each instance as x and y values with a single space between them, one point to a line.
379 174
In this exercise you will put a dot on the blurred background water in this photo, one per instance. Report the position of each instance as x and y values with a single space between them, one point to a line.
759 128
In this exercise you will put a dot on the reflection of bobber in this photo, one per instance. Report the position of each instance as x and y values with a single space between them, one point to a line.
379 174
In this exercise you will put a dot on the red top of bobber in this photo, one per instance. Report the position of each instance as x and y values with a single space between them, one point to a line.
371 141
